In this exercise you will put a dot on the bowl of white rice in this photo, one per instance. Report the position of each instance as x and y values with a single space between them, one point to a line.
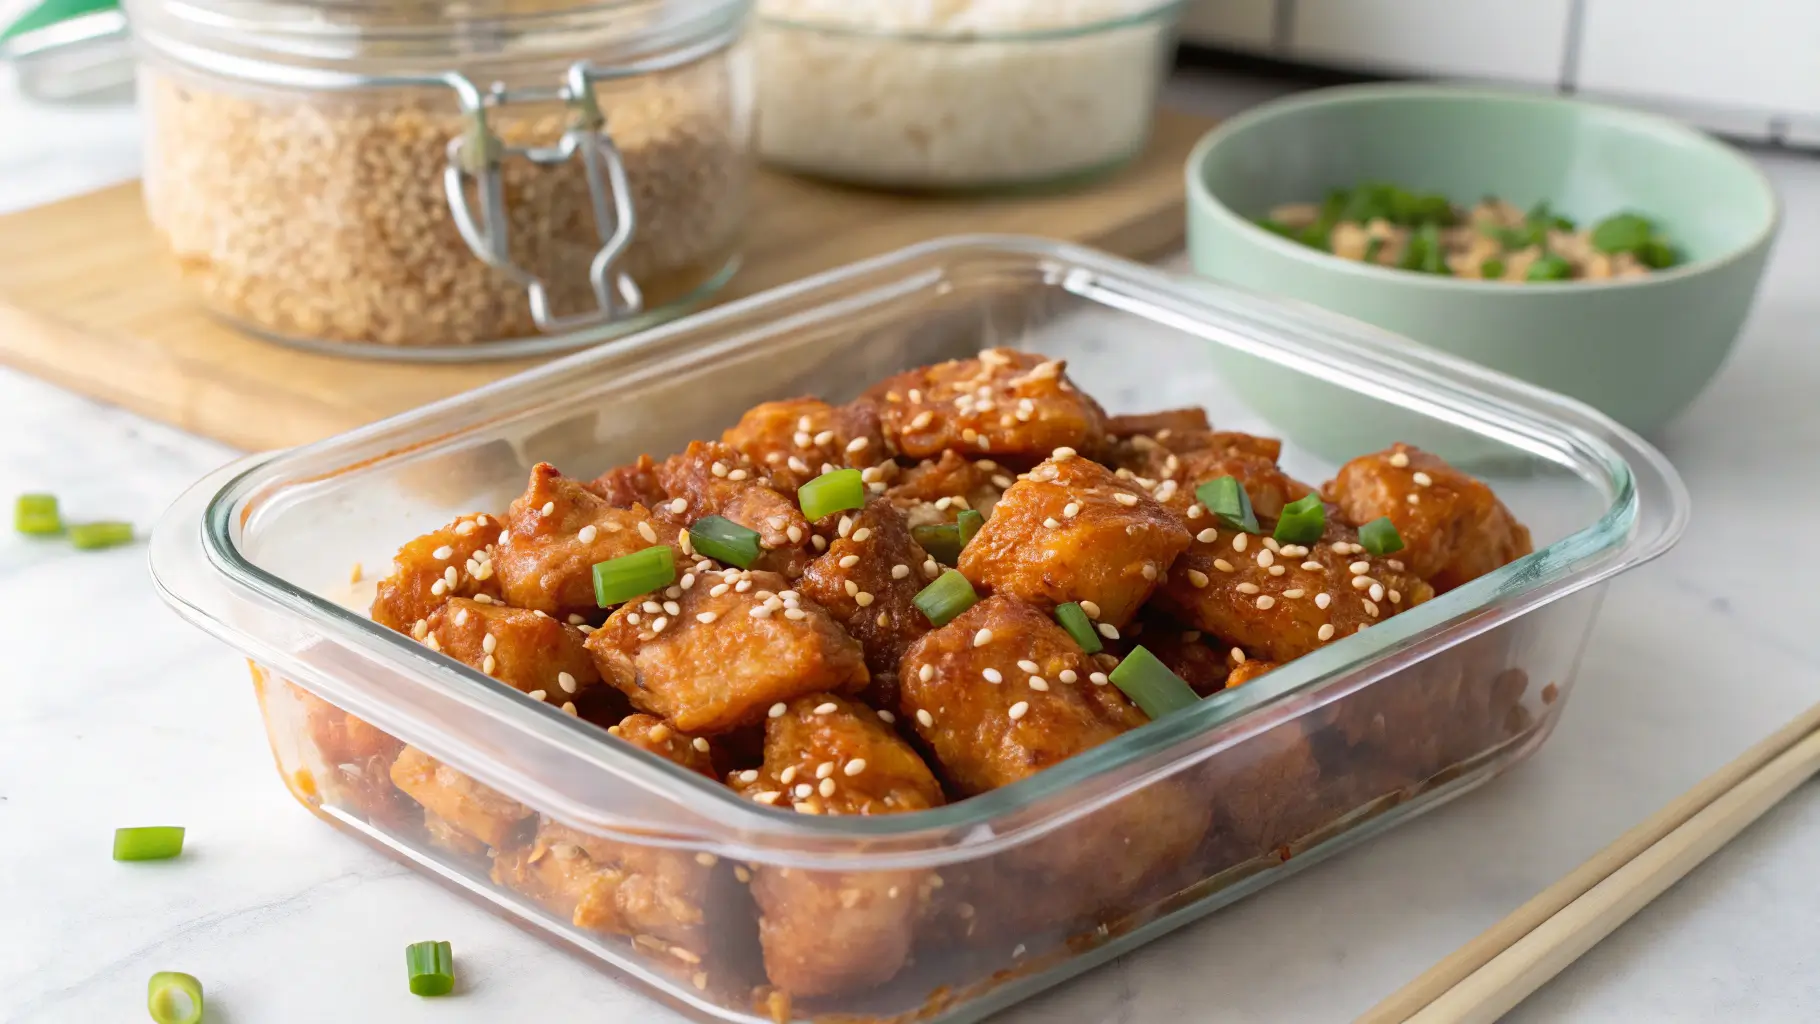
958 95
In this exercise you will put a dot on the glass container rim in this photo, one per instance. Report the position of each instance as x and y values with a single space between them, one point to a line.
1161 10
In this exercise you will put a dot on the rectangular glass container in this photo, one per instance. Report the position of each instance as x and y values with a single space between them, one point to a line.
953 913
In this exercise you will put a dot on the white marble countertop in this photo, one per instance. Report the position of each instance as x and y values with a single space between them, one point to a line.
113 712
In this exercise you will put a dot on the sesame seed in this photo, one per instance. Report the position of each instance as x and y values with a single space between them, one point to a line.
450 576
1239 542
672 608
442 554
1377 591
1323 600
1396 597
653 608
1092 609
862 535
922 420
1097 678
574 619
1027 665
1247 588
943 504
1371 608
645 531
767 797
1361 583
461 617
420 629
1070 510
660 624
1399 459
539 613
1019 710
851 587
1067 675
818 542
825 437
846 526
855 766
464 529
1360 568
1325 632
1222 565
1266 559
899 571
931 568
825 769
701 745
1395 564
848 561
1207 536
568 708
827 788
1422 479
1051 523
1272 545
923 716
1062 454
1313 566
541 694
887 716
795 614
982 638
504 536
863 599
1125 499
1109 631
760 612
992 676
489 643
826 709
742 586
1276 570
1414 498
432 643
1039 684
549 508
858 444
1294 592
1195 511
803 791
788 775
798 465
777 710
484 599
1002 482
718 589
566 681
1266 602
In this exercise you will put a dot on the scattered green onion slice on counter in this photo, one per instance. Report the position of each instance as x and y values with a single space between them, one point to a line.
1492 269
1380 536
1550 267
95 536
156 842
724 540
945 598
1302 521
941 541
1150 684
432 968
36 515
1079 626
173 997
969 523
830 493
618 580
1227 500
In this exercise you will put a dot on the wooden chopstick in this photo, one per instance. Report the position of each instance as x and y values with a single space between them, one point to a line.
1440 980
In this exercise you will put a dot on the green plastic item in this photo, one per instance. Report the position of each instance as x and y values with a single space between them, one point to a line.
52 12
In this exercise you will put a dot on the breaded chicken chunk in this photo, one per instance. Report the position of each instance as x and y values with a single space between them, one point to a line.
1172 470
556 531
797 440
825 932
632 484
533 654
455 561
1071 531
464 804
730 645
714 479
1160 425
1454 528
1005 403
868 580
936 490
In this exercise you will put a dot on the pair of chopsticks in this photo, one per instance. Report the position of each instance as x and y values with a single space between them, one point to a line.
1484 979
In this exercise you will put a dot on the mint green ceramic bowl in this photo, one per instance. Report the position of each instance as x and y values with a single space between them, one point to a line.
1639 350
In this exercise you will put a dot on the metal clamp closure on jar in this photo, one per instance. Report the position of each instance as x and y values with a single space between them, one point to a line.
475 159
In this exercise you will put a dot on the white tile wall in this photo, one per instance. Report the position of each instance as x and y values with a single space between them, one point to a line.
1247 25
1509 40
1721 53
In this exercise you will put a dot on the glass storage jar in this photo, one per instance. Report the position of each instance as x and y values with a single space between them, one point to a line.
446 180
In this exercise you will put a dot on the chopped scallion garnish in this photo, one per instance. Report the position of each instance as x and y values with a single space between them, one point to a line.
173 997
1079 626
1302 521
969 523
1227 500
1380 536
724 540
1150 684
432 968
618 580
830 493
156 842
37 516
941 541
945 598
94 536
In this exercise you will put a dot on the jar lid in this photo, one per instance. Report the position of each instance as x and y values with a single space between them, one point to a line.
425 38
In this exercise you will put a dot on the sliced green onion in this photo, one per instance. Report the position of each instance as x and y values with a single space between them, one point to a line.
1372 248
1079 626
36 515
1658 255
618 580
94 536
945 598
157 842
1380 536
1150 684
432 968
173 997
724 540
831 492
1623 232
969 523
1550 268
1302 522
1227 500
1492 269
942 542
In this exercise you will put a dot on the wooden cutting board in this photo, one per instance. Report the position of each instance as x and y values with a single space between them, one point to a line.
88 301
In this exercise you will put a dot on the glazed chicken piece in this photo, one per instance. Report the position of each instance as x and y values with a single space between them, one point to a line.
632 484
1454 528
1281 601
797 440
825 931
1265 793
868 580
935 491
555 533
455 561
1172 468
1160 425
533 654
356 760
714 479
465 805
724 650
1004 403
1071 531
660 896
1002 692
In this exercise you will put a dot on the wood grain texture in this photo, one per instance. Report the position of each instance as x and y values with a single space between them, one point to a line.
88 301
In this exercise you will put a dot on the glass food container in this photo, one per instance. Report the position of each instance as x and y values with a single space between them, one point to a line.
988 900
959 96
411 180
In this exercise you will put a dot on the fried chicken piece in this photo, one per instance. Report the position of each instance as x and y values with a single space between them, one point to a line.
714 479
1004 403
632 484
1184 650
464 804
935 491
420 581
868 580
1071 531
533 654
796 440
1454 528
1171 470
1165 422
556 531
356 760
